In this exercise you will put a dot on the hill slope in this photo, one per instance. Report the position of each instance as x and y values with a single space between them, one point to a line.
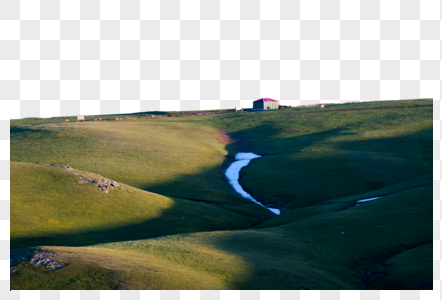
168 158
50 207
326 251
315 166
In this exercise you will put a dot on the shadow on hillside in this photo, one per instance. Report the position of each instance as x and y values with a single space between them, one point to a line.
296 256
303 255
349 166
334 253
27 130
174 220
244 141
263 140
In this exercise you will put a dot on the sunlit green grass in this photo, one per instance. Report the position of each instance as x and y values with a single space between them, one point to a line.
50 207
168 158
325 251
315 165
312 158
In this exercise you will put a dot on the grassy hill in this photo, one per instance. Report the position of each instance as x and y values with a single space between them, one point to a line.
336 154
50 207
315 166
168 158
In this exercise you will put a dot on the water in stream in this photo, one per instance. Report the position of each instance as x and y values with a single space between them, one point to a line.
232 174
366 200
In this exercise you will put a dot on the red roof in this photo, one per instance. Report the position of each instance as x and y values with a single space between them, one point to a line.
266 100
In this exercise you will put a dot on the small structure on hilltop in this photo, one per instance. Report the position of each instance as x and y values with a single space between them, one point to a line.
265 103
238 108
81 117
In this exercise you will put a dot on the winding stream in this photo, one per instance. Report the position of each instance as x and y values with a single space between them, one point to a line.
366 200
232 174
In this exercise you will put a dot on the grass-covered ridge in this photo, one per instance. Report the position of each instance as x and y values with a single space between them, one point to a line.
360 152
169 158
331 250
50 207
315 166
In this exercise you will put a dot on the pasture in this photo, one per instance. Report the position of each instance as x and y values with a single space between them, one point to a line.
183 227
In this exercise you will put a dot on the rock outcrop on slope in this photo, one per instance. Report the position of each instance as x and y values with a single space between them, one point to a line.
104 184
50 260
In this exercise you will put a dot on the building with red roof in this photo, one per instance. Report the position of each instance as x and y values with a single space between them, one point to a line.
265 103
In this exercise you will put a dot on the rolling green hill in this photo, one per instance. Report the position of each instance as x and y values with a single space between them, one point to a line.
183 226
50 207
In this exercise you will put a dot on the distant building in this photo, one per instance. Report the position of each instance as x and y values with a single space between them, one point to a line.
265 103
